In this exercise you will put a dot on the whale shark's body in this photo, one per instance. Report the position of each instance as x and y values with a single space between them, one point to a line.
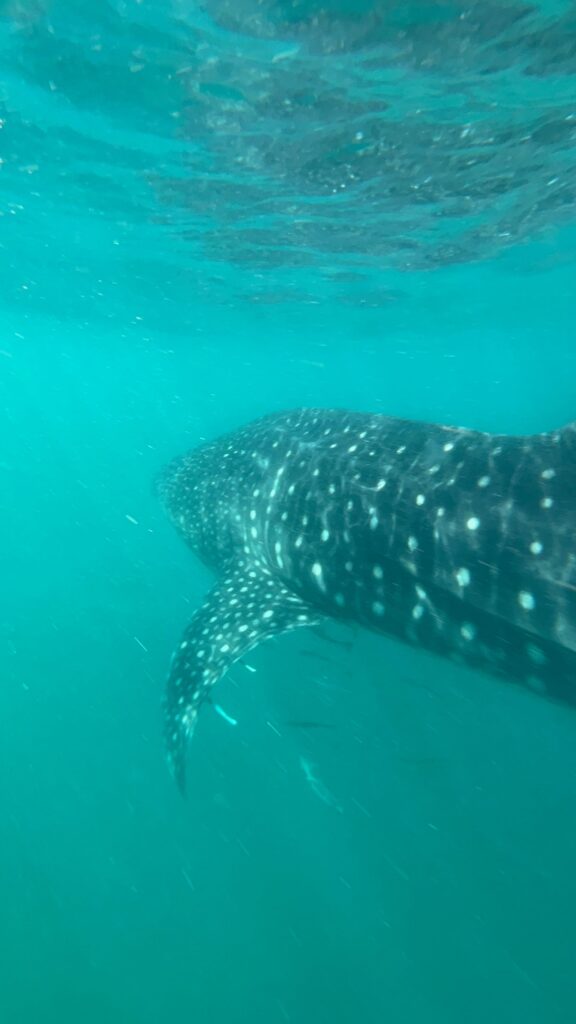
463 543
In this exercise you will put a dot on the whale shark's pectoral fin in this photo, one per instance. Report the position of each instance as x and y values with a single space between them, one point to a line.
245 608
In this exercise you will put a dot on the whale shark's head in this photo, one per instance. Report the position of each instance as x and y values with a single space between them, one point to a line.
199 492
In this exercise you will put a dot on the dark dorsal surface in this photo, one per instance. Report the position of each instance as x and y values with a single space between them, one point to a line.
459 541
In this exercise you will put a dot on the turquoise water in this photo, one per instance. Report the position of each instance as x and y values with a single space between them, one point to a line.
208 212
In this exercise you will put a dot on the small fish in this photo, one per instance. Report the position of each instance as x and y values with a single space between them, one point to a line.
318 787
346 644
224 714
220 711
297 723
316 655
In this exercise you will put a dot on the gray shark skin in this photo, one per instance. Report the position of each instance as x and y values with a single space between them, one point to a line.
460 542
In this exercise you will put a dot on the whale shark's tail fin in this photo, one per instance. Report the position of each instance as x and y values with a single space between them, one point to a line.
245 608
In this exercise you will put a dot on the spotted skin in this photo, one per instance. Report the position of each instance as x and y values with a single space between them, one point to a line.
460 542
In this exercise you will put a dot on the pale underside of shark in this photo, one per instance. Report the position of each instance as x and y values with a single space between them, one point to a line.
460 542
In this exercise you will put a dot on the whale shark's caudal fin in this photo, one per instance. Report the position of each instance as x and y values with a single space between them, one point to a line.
245 608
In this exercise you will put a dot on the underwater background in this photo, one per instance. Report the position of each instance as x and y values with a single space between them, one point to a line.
210 211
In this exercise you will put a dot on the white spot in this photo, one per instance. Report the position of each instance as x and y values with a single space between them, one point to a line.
401 449
548 474
325 535
526 600
378 572
183 645
378 608
462 577
417 612
268 613
473 523
421 593
420 499
225 648
536 654
252 514
254 532
468 631
373 522
440 511
412 543
483 481
298 542
434 469
318 572
535 684
448 447
242 628
353 448
380 485
536 547
348 566
546 503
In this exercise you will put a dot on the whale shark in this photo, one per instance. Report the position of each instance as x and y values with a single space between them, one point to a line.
457 541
